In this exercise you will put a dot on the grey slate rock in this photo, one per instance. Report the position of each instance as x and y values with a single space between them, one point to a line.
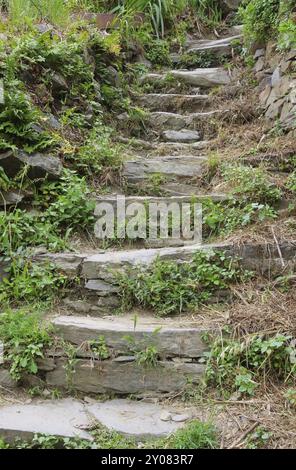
39 165
187 341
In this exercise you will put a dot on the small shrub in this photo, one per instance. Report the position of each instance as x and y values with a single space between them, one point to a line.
260 19
28 281
24 340
234 364
252 184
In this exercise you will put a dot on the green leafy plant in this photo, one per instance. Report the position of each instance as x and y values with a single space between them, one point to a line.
100 348
24 340
250 183
260 19
235 364
27 281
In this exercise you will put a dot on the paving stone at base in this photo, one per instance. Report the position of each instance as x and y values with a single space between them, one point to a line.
63 418
69 418
136 419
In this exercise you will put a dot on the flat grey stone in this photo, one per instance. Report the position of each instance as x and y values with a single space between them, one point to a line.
39 165
131 418
190 166
200 77
67 263
203 77
106 265
101 288
182 136
218 47
187 341
6 380
161 120
55 418
172 102
11 198
181 418
69 418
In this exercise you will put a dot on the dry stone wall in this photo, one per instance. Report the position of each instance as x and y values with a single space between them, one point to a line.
276 73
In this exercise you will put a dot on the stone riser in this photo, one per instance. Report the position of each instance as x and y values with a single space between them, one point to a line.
174 103
123 378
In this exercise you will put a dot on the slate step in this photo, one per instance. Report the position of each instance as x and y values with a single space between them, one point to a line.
200 77
169 339
123 378
174 121
69 418
183 136
171 167
114 198
261 257
173 102
216 47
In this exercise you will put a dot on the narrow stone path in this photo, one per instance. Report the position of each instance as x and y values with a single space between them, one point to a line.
178 158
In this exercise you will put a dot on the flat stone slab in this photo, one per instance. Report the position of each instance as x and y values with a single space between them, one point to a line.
64 418
260 257
173 102
177 122
69 418
217 47
174 166
183 136
137 419
210 77
39 165
200 77
169 341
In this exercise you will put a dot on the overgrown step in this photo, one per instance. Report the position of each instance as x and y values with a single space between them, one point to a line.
169 339
69 418
122 377
263 257
128 200
216 47
163 121
173 102
200 77
171 167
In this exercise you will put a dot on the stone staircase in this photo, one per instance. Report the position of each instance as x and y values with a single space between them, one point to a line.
108 347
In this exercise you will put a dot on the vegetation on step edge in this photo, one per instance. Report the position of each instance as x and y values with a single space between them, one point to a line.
195 435
169 287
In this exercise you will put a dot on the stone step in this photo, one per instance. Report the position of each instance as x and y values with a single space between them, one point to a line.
69 418
123 378
170 167
173 102
174 121
187 342
200 77
184 136
261 257
177 146
114 199
215 47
